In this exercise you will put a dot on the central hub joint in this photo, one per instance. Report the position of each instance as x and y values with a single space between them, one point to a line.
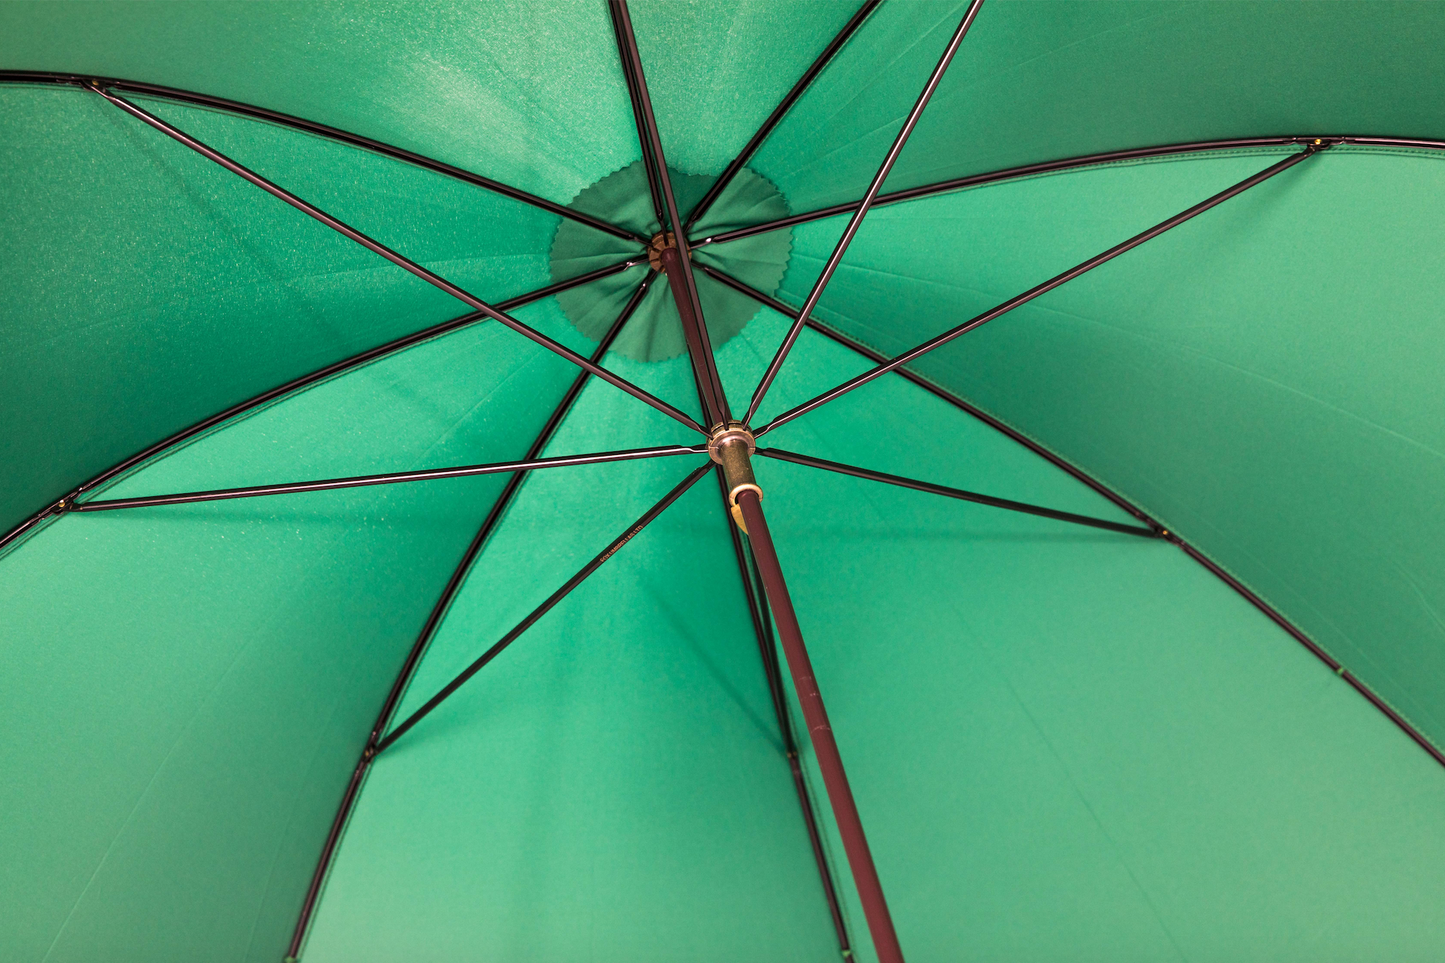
659 243
731 445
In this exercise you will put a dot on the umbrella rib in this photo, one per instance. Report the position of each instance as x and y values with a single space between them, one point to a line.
297 384
780 111
877 357
320 130
762 628
647 159
856 220
399 260
541 610
1027 170
1070 163
1294 632
1034 292
678 261
386 478
438 612
961 494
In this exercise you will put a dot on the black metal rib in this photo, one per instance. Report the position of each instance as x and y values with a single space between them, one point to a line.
961 494
856 220
763 630
1080 475
689 305
320 130
297 384
1070 163
386 478
399 260
878 357
780 111
545 607
434 619
1319 653
1034 292
648 161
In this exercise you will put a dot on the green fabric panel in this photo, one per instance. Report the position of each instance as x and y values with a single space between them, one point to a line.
717 68
1043 81
533 98
1264 379
482 240
611 787
405 411
189 687
148 288
1073 745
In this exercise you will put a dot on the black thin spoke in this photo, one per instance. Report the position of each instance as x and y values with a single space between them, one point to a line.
439 611
321 130
762 629
961 494
399 260
386 478
296 384
1299 636
1010 173
546 606
1069 163
1074 471
678 260
1054 282
804 82
856 220
878 357
648 161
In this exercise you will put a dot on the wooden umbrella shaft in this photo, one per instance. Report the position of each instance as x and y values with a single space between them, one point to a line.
820 732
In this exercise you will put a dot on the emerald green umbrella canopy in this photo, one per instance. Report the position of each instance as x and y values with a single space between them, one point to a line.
1092 355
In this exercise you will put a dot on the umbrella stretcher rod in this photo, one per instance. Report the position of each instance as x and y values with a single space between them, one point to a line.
732 447
961 494
438 612
376 247
71 499
1026 170
856 221
582 574
389 478
1019 300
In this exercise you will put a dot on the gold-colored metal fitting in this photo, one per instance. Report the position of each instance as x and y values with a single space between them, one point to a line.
732 446
658 244
727 435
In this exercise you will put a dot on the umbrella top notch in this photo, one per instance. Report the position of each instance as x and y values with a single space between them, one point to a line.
661 242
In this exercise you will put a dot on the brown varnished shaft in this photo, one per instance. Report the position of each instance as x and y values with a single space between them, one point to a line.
820 733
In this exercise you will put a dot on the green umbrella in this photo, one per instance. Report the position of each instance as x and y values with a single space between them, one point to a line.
442 442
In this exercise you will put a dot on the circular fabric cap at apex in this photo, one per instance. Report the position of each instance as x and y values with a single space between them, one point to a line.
364 594
654 331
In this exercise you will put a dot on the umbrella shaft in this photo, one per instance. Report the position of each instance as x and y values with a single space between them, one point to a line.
820 732
699 347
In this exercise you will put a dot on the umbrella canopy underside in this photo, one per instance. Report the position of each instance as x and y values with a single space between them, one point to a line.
1066 742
